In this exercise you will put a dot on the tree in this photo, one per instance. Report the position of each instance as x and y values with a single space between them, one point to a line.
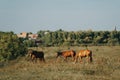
54 38
60 37
48 39
29 43
11 46
113 42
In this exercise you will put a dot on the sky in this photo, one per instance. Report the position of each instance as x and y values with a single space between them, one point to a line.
69 15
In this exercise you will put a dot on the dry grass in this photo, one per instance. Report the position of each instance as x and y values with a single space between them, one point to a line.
106 66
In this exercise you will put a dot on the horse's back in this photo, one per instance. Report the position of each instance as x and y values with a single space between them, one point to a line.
36 54
69 53
84 53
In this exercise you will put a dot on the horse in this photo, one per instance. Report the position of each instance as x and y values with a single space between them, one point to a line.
65 54
84 53
34 55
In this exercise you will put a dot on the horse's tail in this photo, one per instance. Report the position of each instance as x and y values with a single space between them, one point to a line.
91 59
74 53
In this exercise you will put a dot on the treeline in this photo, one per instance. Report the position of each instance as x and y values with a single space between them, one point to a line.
10 46
78 38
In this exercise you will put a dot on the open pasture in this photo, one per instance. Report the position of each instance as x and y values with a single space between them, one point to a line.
105 66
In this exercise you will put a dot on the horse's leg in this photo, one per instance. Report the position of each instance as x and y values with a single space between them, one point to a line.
32 59
65 59
91 58
72 57
80 59
43 59
40 59
88 58
35 60
75 60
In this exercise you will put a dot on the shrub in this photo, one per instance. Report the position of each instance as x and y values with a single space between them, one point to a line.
11 46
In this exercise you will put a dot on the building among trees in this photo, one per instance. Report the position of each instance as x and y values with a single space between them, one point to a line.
22 35
27 35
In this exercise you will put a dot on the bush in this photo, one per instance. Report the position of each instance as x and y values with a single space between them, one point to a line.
11 46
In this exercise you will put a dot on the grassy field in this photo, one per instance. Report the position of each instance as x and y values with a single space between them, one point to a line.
105 66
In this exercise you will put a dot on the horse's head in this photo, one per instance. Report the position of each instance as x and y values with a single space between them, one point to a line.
30 52
58 54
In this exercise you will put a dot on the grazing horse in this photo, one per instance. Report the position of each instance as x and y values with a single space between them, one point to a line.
34 55
84 53
65 54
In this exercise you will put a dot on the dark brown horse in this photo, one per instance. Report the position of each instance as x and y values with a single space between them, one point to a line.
34 55
84 53
65 54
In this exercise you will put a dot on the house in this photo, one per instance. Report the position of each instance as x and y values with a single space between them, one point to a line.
22 35
27 35
32 36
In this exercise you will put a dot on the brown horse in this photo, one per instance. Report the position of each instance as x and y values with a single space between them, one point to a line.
34 55
84 53
65 54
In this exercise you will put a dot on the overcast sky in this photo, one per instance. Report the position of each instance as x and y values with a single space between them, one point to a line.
70 15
